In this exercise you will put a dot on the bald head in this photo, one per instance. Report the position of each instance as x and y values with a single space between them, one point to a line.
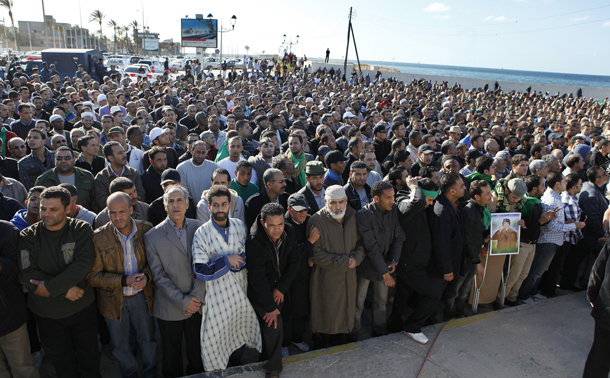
118 198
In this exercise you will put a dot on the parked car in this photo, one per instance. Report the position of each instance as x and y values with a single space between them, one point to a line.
213 63
176 65
117 62
133 72
154 64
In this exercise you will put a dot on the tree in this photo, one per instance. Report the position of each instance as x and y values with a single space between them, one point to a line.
135 26
114 25
247 48
124 31
8 4
97 16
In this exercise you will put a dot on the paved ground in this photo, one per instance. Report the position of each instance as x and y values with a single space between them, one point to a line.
550 338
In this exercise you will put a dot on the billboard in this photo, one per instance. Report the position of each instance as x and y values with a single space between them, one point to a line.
151 44
199 32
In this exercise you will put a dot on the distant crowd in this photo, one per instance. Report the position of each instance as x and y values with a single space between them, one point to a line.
283 210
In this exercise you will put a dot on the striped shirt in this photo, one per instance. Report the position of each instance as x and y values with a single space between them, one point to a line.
554 231
130 263
572 212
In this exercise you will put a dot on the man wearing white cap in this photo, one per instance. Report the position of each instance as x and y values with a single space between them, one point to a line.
160 137
333 280
102 101
57 124
229 99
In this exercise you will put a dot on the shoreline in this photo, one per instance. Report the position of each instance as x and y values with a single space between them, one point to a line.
469 83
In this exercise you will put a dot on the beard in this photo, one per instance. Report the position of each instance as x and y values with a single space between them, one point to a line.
339 215
219 217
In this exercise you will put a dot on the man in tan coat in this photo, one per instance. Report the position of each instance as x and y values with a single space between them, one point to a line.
335 257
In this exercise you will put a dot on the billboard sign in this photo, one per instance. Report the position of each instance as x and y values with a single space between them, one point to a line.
199 32
151 44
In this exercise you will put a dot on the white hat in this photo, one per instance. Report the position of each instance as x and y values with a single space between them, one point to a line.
101 97
86 114
88 103
115 109
54 118
309 99
228 93
334 192
155 132
348 115
403 100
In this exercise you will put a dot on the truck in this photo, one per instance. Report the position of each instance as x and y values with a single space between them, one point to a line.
66 61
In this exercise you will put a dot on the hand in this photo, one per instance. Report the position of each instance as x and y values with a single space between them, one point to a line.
235 260
484 251
411 182
278 297
388 280
580 225
193 307
271 318
314 234
132 278
480 269
41 290
392 267
352 263
521 223
75 293
448 277
310 263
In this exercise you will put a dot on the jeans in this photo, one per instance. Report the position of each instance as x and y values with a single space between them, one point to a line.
380 302
171 345
71 343
134 313
15 357
598 361
413 280
542 260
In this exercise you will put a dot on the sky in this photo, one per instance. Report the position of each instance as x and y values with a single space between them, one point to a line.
534 35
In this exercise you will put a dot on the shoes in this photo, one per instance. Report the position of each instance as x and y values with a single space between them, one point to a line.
285 352
525 301
38 357
510 303
539 297
417 337
377 333
303 346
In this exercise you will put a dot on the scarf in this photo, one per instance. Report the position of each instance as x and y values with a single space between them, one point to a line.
530 202
479 176
503 206
3 138
486 217
299 165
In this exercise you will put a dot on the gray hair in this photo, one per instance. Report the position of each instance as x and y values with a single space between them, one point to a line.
269 175
549 158
487 143
185 192
536 165
504 155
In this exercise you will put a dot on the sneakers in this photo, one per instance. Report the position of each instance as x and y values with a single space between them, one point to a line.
285 352
417 337
525 301
303 346
539 297
38 357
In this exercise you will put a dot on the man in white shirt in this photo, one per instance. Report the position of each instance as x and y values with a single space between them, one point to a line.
235 149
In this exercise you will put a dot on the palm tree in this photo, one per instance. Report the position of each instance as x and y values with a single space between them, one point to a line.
114 25
247 48
125 33
135 26
8 4
97 16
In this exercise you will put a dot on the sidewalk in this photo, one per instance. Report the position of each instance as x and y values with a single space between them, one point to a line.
550 338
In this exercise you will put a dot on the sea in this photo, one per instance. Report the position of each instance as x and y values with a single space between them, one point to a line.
426 70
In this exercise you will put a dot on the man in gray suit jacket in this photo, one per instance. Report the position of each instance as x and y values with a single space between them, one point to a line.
179 294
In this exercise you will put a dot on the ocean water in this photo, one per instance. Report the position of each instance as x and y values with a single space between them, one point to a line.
493 74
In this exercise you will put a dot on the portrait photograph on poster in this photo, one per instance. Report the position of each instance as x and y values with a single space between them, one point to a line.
505 233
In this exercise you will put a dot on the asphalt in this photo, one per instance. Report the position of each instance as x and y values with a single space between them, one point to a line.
549 338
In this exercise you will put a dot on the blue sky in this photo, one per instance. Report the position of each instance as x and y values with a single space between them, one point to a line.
536 35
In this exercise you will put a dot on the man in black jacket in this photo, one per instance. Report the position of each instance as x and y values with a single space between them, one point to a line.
273 191
151 179
382 237
314 190
357 190
272 252
598 293
448 244
14 340
411 269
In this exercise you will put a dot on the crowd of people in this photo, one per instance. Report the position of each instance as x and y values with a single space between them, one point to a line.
270 210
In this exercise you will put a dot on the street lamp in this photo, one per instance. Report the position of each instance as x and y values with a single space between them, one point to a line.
289 44
220 30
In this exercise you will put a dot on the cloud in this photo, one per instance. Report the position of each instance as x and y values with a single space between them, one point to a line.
579 19
437 7
488 18
606 24
445 16
498 19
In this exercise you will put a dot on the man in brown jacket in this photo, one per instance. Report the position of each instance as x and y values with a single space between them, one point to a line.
333 279
124 286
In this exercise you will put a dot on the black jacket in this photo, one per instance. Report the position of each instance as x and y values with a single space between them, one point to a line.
412 217
292 186
382 149
353 198
448 240
382 237
12 304
593 203
598 292
9 168
472 219
8 207
157 213
151 180
311 200
255 203
597 158
531 232
299 290
269 269
95 167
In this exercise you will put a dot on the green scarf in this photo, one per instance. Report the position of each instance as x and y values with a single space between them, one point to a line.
3 138
530 202
299 165
223 151
503 206
479 176
486 217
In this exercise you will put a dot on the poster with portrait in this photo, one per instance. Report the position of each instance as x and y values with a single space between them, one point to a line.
505 233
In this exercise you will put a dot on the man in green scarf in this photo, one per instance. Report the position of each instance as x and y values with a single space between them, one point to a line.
485 168
296 154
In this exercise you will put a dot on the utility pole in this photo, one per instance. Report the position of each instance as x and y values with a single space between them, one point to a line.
350 30
44 21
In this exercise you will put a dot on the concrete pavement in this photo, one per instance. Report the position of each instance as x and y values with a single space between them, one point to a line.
549 338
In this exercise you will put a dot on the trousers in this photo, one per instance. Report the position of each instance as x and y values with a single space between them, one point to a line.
171 346
15 357
380 301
